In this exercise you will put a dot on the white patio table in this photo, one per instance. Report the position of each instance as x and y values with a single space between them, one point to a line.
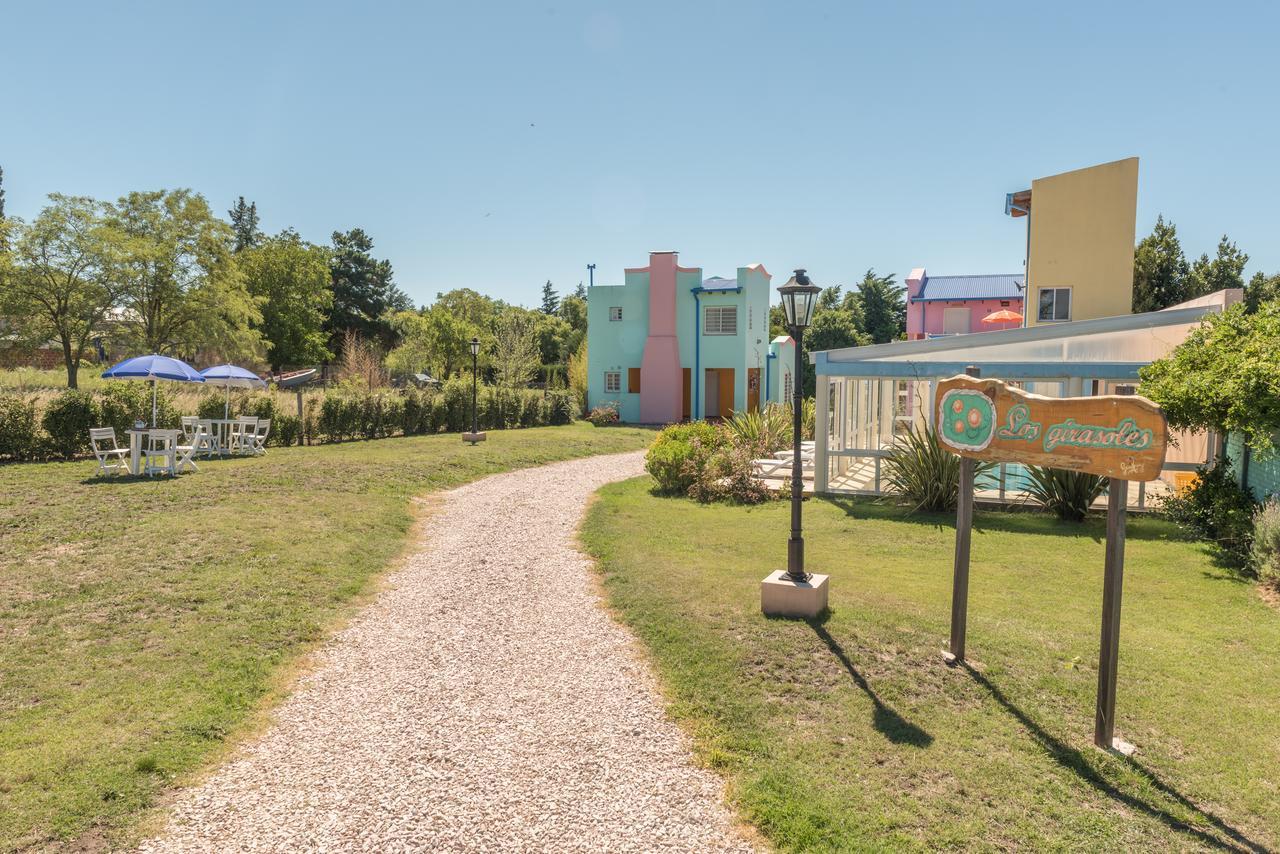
137 439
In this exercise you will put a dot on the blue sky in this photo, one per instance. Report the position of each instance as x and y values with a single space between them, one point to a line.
498 145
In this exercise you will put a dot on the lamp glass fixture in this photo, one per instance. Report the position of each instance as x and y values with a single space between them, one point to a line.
475 346
799 297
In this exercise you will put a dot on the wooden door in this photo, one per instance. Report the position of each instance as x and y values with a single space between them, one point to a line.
726 392
688 393
753 389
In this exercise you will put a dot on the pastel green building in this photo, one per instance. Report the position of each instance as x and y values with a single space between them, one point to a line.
668 345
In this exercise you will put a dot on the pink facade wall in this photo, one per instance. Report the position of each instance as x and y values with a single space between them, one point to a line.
661 381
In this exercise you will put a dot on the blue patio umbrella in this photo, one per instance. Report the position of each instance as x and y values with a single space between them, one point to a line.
229 377
152 368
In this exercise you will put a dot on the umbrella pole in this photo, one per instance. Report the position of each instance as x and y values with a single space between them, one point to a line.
153 404
226 407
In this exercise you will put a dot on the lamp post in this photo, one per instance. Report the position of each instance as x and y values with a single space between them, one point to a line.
475 435
799 295
796 593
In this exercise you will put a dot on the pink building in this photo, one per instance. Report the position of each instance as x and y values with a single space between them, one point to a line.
956 305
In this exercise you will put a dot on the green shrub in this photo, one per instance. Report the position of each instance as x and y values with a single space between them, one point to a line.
1069 494
123 403
285 430
67 420
1265 555
604 414
922 473
1215 508
213 405
18 437
562 406
725 473
674 448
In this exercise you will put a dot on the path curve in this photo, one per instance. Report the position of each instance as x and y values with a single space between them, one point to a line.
494 711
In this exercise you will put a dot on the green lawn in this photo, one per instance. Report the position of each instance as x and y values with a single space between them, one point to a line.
145 624
850 733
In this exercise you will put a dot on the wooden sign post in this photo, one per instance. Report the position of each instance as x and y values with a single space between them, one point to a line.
1122 437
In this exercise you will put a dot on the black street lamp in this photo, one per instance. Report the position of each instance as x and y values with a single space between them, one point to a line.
475 435
799 296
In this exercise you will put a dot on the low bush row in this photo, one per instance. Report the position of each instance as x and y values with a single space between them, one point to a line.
61 430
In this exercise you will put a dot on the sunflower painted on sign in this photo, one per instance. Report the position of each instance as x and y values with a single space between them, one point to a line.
968 419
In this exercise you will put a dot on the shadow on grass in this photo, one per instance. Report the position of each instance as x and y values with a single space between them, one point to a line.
1019 522
886 720
1073 760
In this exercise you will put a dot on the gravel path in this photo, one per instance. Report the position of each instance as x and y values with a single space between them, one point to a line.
500 711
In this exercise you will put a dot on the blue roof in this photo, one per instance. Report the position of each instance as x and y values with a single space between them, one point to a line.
719 283
994 286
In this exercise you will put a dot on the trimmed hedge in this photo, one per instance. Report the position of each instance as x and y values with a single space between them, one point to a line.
62 430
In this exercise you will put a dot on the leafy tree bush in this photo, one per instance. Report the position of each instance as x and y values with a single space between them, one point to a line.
123 403
922 473
767 430
18 439
1215 508
672 450
725 473
67 420
604 414
562 406
1265 555
1068 494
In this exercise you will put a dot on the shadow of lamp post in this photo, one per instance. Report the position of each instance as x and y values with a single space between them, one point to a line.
794 592
475 435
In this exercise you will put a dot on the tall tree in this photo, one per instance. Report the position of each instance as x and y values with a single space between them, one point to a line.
431 340
1 192
1159 269
832 329
181 286
515 349
363 292
550 301
829 299
1261 289
60 282
1225 376
882 305
1224 270
244 222
290 278
580 291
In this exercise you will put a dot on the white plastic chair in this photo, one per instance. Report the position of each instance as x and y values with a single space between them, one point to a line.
189 424
186 452
206 439
162 452
242 432
258 438
111 458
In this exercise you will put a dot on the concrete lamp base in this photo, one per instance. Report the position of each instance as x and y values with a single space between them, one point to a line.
782 597
473 437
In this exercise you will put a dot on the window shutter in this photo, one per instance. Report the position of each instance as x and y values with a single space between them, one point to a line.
633 380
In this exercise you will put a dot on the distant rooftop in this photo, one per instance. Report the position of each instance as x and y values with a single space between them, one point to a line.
719 283
988 286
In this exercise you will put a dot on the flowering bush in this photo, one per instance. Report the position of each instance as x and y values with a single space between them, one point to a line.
605 413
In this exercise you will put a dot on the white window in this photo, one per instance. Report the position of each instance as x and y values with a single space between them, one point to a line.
615 312
612 382
721 320
1055 304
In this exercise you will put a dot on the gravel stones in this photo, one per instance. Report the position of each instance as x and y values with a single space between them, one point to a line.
484 701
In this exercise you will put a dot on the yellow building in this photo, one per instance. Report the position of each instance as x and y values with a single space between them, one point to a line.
1080 237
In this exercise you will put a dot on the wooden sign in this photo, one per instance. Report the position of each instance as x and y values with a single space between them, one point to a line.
1116 436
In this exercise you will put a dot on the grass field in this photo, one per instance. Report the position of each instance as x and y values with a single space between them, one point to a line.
849 733
145 624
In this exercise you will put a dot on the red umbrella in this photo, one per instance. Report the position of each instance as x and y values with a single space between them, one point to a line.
1004 315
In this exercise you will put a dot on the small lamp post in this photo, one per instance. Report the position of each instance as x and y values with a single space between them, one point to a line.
475 435
796 593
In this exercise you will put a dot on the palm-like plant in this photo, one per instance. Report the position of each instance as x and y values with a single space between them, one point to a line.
1069 494
921 472
767 430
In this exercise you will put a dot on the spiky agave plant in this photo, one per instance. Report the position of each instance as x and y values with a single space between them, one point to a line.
767 430
1069 494
922 473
